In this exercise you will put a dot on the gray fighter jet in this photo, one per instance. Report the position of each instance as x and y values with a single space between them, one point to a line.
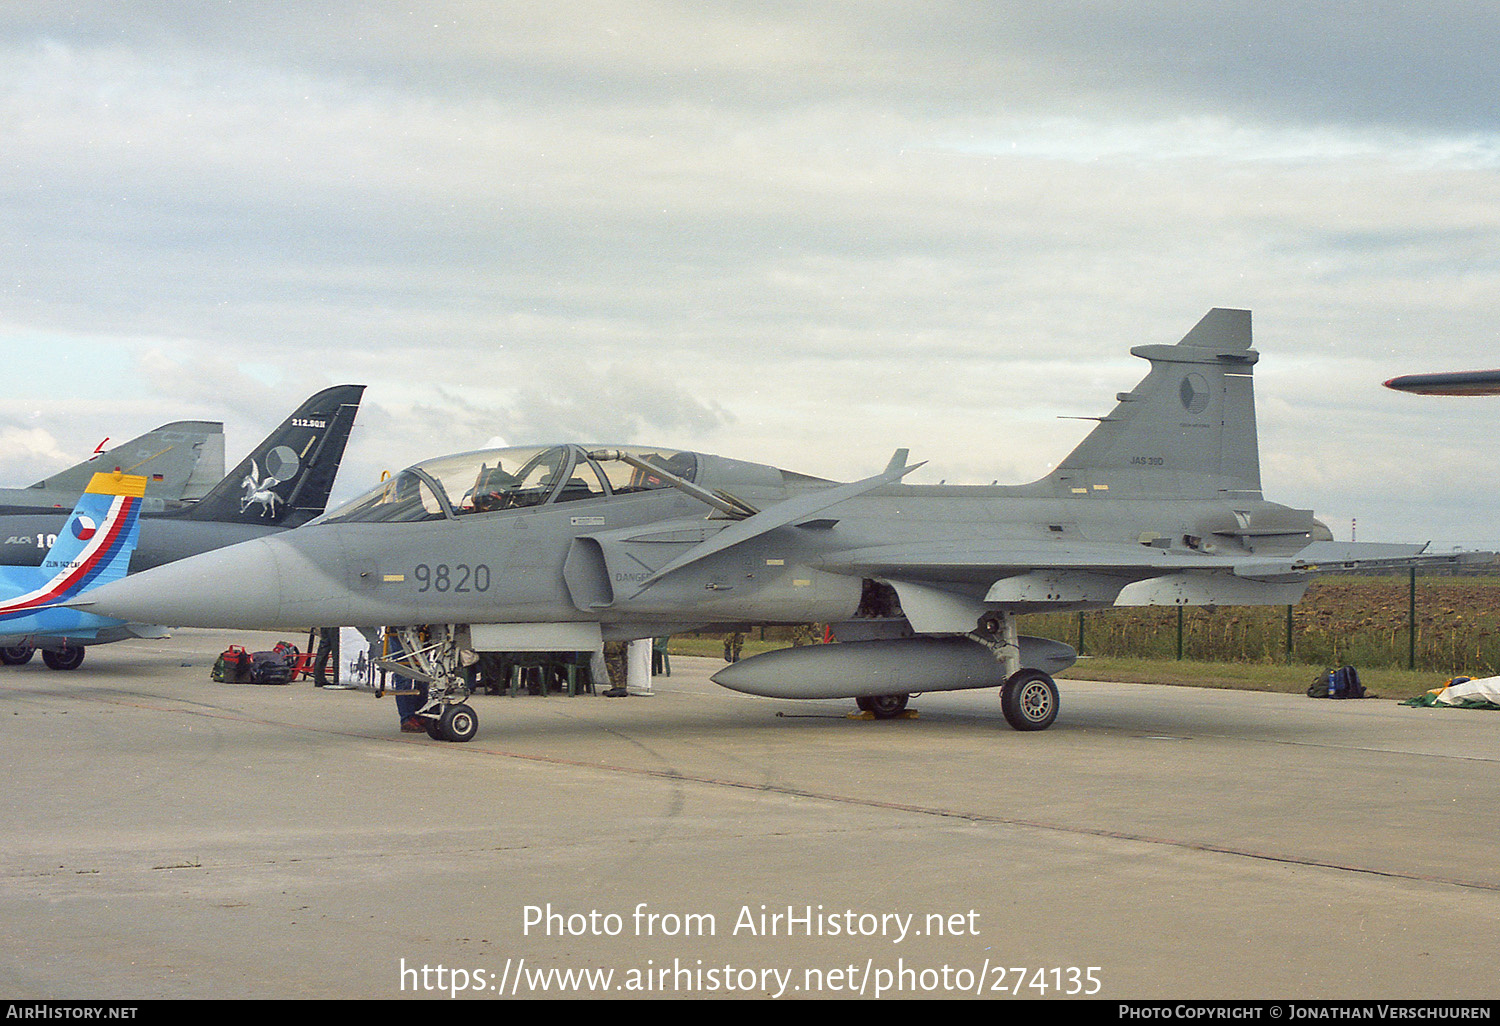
283 483
561 547
180 461
1485 382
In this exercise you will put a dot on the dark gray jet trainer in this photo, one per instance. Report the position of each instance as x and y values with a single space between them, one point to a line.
283 483
558 548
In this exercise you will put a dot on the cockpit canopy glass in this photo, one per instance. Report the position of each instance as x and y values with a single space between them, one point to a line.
493 480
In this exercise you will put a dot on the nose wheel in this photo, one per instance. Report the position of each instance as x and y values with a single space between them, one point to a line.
435 656
455 723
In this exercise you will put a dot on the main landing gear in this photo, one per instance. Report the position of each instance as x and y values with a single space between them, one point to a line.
434 656
1029 697
16 655
1029 700
69 657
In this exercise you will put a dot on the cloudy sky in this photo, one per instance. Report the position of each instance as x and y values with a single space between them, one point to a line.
796 233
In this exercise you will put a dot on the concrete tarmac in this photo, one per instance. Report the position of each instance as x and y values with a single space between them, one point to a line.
170 837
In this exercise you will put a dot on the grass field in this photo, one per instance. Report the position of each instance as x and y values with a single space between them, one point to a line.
1360 621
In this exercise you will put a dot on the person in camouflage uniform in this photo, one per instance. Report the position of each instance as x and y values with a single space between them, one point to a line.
614 662
732 645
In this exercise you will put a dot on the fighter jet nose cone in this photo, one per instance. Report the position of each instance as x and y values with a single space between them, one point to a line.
240 586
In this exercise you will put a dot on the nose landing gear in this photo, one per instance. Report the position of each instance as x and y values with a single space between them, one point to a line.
435 656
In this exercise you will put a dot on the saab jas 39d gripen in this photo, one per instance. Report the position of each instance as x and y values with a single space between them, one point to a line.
562 547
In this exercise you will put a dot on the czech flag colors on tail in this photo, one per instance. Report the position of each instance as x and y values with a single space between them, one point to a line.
94 548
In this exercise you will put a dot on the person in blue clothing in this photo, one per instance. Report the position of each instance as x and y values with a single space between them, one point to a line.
410 694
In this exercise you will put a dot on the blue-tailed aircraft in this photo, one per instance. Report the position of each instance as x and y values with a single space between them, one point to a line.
93 548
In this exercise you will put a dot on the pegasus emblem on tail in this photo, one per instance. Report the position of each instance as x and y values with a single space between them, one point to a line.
260 490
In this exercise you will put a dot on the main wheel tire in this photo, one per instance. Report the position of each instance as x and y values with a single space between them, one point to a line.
16 655
69 658
883 707
1029 700
459 723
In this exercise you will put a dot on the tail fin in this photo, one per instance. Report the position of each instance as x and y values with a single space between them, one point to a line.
171 458
92 549
1186 431
286 480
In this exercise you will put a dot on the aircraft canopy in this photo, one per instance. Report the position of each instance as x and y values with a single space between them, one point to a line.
493 480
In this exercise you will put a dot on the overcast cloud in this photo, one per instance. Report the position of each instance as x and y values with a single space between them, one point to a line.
796 233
